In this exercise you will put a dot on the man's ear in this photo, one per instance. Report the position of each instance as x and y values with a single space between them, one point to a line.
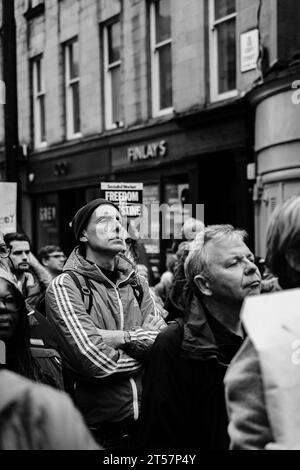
44 261
203 285
83 237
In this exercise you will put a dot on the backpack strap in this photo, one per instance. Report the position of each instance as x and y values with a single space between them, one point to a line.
137 288
86 291
134 281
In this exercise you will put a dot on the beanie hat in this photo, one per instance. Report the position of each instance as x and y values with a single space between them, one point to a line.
82 217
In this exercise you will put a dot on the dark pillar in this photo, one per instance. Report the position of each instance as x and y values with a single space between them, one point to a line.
10 80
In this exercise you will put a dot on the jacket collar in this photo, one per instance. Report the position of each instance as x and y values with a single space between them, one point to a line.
76 262
204 337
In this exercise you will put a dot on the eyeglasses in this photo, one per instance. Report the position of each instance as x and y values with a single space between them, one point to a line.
4 251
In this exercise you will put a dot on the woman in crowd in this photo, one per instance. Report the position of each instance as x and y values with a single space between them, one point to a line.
14 330
32 416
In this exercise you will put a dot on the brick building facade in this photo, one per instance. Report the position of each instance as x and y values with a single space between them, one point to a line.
101 80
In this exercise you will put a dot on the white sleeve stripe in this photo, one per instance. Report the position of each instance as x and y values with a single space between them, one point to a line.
146 334
91 347
79 335
69 321
108 364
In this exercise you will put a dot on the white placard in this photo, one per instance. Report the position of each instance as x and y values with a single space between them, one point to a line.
272 322
249 50
8 207
127 196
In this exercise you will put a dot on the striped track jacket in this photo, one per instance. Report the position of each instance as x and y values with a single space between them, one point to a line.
108 381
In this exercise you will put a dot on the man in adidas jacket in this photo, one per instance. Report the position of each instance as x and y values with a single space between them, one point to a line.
103 336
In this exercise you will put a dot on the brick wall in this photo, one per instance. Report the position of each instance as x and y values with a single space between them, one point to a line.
136 83
188 53
53 79
64 20
90 84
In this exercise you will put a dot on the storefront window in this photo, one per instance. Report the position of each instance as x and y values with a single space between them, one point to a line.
47 217
178 209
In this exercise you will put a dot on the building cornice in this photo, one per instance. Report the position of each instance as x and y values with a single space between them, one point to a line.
212 113
274 84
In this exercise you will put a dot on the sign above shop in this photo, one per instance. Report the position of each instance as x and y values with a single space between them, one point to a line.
145 152
249 50
127 196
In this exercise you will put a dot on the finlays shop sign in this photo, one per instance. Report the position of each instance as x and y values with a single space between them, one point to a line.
145 152
8 207
127 196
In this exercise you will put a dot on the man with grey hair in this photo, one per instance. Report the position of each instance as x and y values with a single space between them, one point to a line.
183 403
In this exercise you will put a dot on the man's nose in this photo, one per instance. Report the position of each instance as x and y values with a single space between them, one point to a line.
251 267
119 227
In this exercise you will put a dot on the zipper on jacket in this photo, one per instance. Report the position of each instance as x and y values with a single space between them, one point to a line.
135 399
115 287
125 280
121 308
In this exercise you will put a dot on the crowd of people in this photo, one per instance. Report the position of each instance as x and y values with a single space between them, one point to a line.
93 356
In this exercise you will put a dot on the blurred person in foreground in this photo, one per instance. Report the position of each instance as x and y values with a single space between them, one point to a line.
37 417
183 403
262 383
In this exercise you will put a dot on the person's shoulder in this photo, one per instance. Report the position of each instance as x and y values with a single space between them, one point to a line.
245 363
43 411
171 335
13 380
19 386
63 279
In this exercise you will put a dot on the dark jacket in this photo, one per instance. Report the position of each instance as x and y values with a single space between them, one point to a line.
45 350
183 403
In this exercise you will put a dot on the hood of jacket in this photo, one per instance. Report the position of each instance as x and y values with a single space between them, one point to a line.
204 337
77 263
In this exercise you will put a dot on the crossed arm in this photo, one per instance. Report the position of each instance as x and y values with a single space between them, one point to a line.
92 352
